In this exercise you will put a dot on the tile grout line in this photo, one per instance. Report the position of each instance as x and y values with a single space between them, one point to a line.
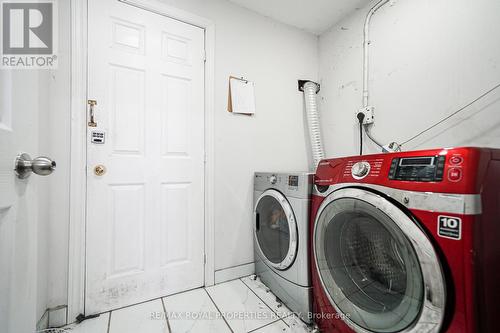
235 266
150 300
226 281
109 322
159 298
279 318
292 314
166 317
266 325
277 315
220 312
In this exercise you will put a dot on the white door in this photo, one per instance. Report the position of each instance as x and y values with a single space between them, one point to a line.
19 114
145 213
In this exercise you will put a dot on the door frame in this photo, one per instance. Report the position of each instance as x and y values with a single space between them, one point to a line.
78 159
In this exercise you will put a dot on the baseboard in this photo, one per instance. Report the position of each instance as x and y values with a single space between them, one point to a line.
58 316
235 272
43 322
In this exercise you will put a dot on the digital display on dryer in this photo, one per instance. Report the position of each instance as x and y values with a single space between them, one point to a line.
417 161
293 181
421 169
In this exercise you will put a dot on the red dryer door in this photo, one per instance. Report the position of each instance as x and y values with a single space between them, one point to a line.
377 267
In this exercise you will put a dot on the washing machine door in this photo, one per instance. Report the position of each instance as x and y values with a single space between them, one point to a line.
377 267
275 230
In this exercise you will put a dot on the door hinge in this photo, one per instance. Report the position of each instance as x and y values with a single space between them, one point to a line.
205 158
204 56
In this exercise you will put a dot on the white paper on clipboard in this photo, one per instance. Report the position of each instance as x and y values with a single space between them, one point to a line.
242 96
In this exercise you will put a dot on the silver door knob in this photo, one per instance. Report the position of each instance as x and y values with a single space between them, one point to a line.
24 166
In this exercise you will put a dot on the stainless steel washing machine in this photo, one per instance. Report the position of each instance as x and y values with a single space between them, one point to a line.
281 237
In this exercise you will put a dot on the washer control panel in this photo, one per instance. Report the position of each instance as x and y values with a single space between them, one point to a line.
421 169
290 184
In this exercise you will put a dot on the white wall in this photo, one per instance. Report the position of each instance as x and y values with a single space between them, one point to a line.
428 58
274 56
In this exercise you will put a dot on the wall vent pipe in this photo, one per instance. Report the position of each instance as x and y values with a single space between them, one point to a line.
366 49
310 90
366 64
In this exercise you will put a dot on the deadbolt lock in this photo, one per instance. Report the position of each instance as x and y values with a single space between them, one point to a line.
99 170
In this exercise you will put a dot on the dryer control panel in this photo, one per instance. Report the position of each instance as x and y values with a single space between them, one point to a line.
295 185
445 170
421 169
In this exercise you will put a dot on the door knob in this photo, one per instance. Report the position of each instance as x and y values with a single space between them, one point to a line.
24 166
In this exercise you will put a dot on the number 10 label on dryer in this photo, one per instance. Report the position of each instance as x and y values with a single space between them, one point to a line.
450 227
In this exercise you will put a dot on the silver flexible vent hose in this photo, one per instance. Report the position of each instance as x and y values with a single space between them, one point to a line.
310 90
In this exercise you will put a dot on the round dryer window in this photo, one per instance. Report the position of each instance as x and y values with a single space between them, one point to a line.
275 229
376 265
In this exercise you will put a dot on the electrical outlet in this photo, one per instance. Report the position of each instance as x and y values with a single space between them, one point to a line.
369 115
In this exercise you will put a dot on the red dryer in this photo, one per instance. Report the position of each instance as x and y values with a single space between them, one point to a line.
407 242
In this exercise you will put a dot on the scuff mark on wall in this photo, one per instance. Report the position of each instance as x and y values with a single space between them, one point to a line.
349 84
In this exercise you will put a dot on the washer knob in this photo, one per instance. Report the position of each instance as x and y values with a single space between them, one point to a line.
273 179
360 170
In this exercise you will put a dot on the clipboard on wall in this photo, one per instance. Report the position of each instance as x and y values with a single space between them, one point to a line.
241 96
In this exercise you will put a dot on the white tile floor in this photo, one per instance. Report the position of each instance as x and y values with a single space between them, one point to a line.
239 306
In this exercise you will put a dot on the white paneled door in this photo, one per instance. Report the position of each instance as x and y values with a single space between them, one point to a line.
19 235
145 179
